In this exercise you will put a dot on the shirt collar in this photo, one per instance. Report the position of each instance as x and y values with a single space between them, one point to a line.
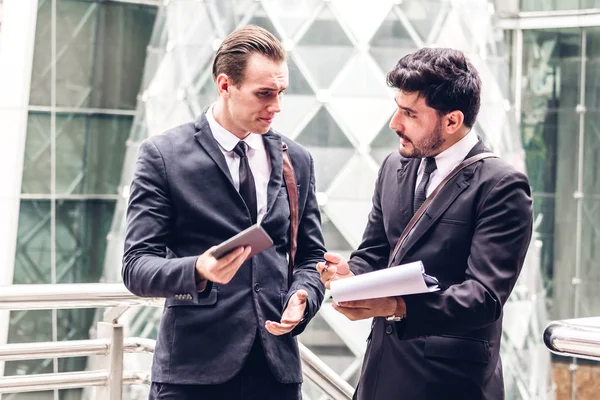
226 139
455 154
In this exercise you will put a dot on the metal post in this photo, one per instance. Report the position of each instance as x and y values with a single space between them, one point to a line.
113 363
115 377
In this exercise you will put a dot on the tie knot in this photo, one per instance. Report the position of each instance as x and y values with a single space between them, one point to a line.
241 149
430 165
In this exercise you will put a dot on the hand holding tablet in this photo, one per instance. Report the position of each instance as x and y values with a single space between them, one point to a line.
255 237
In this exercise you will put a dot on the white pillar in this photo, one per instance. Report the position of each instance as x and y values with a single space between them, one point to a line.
17 39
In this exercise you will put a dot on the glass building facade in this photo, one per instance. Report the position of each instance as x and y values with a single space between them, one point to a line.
107 74
81 109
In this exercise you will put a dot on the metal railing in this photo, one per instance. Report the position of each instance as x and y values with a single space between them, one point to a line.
578 338
110 345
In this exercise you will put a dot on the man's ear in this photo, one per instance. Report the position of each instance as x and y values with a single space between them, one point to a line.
223 85
453 121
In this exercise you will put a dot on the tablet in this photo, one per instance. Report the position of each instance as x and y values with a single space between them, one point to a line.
255 236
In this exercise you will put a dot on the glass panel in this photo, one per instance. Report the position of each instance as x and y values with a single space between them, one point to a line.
422 15
329 161
334 241
324 48
552 5
391 42
32 258
91 150
36 159
298 84
323 131
591 165
551 69
29 326
261 19
325 31
76 27
124 31
101 49
81 229
360 79
74 325
42 56
291 15
384 143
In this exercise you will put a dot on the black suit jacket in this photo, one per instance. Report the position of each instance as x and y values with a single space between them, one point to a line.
473 238
182 202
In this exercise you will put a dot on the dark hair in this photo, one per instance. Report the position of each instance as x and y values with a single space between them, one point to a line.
444 77
233 53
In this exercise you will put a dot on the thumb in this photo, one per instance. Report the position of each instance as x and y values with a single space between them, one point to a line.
301 295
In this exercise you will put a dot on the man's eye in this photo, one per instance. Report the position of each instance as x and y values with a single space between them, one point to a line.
264 94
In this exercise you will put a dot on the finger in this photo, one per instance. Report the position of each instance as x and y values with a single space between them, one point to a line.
362 304
353 314
321 267
292 318
333 257
278 328
232 255
237 261
301 295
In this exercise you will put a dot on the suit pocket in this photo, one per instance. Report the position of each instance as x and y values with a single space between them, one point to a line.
452 222
209 300
457 348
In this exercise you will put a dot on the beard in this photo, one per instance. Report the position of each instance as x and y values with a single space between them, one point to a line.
426 147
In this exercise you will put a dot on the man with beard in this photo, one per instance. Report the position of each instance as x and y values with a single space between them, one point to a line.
473 237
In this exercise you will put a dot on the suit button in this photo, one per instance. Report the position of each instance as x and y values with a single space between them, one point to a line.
257 288
389 329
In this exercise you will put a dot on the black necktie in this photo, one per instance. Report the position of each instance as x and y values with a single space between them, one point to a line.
421 193
247 186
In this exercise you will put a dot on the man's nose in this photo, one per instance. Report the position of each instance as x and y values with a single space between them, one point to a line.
396 123
275 105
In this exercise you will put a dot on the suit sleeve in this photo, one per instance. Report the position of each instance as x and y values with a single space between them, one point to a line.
499 244
374 250
146 272
309 252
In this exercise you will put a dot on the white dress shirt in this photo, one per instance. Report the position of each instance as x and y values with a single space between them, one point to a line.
258 159
447 160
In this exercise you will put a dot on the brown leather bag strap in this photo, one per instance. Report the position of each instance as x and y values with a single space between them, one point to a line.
292 189
415 219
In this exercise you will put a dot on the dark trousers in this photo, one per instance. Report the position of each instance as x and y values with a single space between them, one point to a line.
255 381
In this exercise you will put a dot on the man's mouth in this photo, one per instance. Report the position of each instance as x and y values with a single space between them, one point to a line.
403 139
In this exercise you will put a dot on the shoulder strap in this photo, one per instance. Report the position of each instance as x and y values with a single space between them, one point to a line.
413 221
292 189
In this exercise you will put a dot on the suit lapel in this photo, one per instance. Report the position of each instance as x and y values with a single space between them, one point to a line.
444 199
407 177
273 146
209 144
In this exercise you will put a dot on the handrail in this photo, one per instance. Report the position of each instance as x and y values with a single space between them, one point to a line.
70 295
323 376
574 338
93 295
66 380
71 348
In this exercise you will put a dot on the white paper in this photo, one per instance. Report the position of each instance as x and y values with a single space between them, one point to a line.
394 281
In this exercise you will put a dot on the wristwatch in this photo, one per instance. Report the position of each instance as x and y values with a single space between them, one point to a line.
394 318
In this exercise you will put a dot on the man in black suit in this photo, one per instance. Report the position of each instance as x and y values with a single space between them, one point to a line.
228 328
473 238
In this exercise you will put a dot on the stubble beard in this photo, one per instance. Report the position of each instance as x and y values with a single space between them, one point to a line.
429 146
